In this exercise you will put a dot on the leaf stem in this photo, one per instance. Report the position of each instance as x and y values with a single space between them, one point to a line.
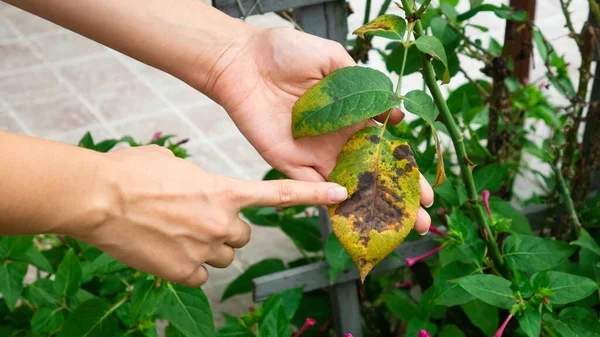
564 191
367 12
459 147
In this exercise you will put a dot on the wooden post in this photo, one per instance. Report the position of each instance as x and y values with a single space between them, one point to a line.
517 40
345 304
328 20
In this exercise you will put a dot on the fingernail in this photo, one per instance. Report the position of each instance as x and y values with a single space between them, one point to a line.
425 232
338 194
430 204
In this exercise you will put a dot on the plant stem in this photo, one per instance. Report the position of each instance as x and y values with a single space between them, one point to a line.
459 147
384 7
466 39
399 85
564 191
422 9
595 10
565 9
367 12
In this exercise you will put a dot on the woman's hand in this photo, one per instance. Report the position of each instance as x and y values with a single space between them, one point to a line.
260 77
168 217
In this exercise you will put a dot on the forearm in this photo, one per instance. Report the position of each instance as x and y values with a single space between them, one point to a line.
49 187
184 37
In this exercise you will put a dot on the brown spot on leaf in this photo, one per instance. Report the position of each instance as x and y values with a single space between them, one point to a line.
335 98
404 152
374 139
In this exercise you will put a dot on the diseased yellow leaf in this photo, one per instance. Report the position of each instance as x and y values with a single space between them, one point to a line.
388 26
383 183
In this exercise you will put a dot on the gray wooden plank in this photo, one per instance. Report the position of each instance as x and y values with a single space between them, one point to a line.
327 20
232 7
345 304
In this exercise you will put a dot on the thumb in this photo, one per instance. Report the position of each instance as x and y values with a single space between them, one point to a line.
285 192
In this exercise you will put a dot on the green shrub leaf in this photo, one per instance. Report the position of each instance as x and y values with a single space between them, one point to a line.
145 297
46 321
448 292
305 232
388 26
337 258
233 328
490 177
15 247
243 283
451 330
504 209
188 310
575 322
401 304
93 318
276 323
567 288
41 293
531 253
431 45
36 258
11 281
343 98
491 289
416 324
68 275
587 241
530 321
482 315
288 299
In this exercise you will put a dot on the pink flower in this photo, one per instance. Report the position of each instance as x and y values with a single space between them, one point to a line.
413 260
348 335
501 329
424 333
436 231
307 325
486 201
156 136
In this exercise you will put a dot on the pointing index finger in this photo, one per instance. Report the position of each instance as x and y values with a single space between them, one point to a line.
283 193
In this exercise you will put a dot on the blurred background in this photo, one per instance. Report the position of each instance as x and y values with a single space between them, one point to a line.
58 85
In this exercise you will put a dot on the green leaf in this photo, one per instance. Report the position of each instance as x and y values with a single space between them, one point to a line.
46 321
587 241
276 324
503 12
575 322
305 232
393 62
145 297
91 319
530 321
522 284
233 328
567 288
474 98
289 300
87 141
243 283
388 26
448 292
68 275
531 253
401 304
262 216
466 253
382 180
504 209
451 330
490 177
41 293
421 104
482 315
103 264
188 310
429 307
343 98
337 258
11 281
491 289
172 331
15 247
431 45
36 258
441 30
416 324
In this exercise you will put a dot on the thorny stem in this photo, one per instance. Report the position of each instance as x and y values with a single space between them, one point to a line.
466 39
421 10
477 86
459 147
565 9
564 191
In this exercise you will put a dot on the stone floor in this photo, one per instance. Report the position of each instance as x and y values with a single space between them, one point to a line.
57 85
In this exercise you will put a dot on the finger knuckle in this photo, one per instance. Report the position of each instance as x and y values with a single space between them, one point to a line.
185 273
285 193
